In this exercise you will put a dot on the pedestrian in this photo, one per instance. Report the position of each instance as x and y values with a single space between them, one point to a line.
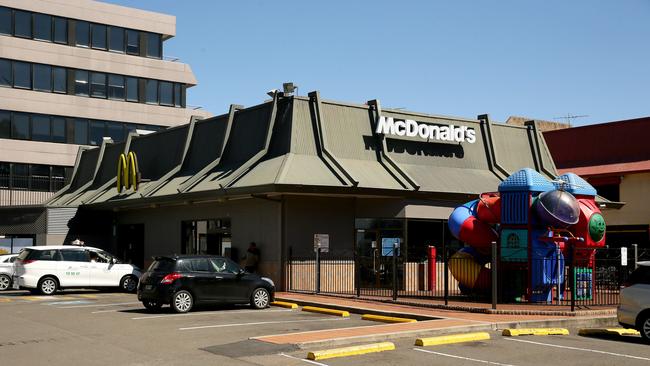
252 258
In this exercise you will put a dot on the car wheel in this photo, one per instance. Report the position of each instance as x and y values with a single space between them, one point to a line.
182 301
260 298
48 286
152 305
644 327
5 282
129 284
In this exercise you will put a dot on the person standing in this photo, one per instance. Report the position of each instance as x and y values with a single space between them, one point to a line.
252 258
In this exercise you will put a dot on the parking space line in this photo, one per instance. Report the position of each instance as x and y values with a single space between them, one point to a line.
461 357
579 349
211 313
302 359
262 323
98 305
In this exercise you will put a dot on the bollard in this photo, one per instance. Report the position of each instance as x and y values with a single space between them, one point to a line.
493 268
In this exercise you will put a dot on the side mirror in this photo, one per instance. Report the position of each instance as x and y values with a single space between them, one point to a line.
241 272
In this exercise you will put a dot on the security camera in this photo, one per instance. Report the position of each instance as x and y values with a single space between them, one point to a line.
272 92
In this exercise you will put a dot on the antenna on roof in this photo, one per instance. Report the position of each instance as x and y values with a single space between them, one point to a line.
570 117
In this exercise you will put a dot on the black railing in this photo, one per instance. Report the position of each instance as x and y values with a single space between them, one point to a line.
28 190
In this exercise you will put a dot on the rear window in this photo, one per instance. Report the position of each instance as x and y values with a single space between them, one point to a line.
44 255
24 254
640 275
163 265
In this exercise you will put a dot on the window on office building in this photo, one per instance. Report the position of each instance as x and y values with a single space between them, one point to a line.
98 32
5 125
6 21
42 77
98 85
116 87
81 132
57 178
20 176
151 91
115 131
58 129
166 93
96 132
22 75
6 78
20 126
60 30
43 27
40 177
177 95
40 128
22 24
154 45
5 169
81 83
116 39
132 42
82 33
59 80
132 87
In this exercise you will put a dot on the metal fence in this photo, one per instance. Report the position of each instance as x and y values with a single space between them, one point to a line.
587 277
28 190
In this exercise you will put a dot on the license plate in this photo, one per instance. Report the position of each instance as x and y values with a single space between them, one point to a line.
148 287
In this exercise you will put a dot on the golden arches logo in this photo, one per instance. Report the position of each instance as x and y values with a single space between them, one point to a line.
128 174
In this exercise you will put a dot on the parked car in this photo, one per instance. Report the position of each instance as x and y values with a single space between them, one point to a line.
6 270
47 269
183 281
634 310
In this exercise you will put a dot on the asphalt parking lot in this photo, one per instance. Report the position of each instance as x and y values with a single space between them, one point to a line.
99 328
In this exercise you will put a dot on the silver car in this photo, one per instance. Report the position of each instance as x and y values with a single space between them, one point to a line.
634 310
6 270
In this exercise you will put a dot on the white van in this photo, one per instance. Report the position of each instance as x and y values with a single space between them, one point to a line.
49 268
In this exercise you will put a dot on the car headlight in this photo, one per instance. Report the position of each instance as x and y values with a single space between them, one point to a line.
269 281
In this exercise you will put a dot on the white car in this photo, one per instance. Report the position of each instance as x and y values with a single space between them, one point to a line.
49 268
6 270
634 310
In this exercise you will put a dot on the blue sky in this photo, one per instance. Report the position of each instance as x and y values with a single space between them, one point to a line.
540 59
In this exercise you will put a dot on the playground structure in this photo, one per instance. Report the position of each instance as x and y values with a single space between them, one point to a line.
537 225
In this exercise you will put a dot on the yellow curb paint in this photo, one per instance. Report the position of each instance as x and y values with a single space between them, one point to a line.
284 304
87 296
608 331
314 309
351 351
453 338
5 299
387 319
535 332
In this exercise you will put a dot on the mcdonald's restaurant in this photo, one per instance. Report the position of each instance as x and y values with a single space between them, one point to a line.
287 174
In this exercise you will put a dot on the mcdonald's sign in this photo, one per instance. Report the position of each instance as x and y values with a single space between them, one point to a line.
128 173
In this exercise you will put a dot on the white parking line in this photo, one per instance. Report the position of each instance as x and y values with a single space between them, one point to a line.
228 312
98 305
261 323
579 349
302 359
461 357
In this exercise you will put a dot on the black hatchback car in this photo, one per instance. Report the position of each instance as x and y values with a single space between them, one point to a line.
183 281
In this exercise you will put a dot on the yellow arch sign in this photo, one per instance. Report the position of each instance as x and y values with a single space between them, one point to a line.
128 174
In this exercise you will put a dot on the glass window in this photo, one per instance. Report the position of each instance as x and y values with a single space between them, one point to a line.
20 177
58 177
132 89
115 131
116 39
5 168
81 132
23 24
43 27
98 85
132 42
151 89
60 30
45 255
40 177
81 82
98 32
82 33
20 126
22 75
116 87
154 45
224 265
166 93
200 265
40 128
6 78
96 132
72 255
6 21
60 80
42 77
5 125
177 94
58 129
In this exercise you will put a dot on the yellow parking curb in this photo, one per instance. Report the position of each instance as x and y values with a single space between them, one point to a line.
283 304
314 309
454 338
387 319
608 331
351 351
535 331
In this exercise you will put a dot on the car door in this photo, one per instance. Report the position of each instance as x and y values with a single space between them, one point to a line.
205 280
103 272
73 269
233 286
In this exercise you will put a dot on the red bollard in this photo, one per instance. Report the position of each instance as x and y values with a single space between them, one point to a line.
432 267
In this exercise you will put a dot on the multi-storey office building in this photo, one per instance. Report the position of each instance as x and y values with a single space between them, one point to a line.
73 72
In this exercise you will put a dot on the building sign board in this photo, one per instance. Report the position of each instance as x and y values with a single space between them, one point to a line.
322 241
426 131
